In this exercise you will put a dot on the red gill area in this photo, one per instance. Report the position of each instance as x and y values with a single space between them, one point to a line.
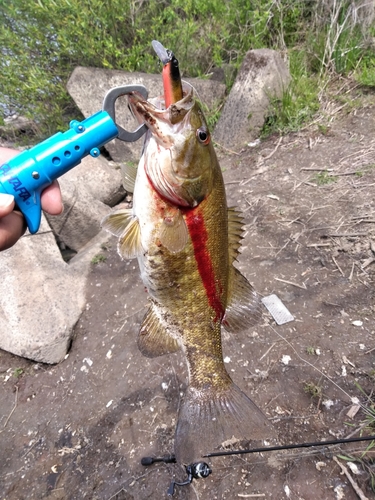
199 237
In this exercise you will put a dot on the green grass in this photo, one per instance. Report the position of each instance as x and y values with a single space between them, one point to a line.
299 102
98 259
323 178
42 41
365 458
18 372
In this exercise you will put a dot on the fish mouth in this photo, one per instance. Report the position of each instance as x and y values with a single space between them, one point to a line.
163 122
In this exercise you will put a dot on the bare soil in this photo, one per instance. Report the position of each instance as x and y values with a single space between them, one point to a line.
79 429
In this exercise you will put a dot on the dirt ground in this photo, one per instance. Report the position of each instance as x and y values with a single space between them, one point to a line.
79 429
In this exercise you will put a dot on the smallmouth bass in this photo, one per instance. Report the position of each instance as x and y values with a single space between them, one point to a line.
186 241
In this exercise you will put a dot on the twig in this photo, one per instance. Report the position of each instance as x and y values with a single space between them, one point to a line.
356 488
14 407
284 246
251 495
343 235
337 174
291 283
351 272
317 169
365 424
338 267
226 149
314 245
367 262
268 350
28 451
274 151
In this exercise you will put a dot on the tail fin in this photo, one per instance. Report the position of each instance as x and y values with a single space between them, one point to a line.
209 418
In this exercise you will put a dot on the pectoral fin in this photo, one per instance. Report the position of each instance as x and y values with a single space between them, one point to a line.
129 175
125 225
153 339
244 306
173 232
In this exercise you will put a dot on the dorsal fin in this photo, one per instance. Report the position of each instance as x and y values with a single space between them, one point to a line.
173 233
235 231
153 339
124 224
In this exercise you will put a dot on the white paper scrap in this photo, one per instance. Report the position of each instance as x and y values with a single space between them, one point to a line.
277 309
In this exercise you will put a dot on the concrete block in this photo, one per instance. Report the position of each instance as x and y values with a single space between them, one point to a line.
41 298
263 74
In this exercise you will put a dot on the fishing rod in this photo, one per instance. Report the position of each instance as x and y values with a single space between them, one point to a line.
200 470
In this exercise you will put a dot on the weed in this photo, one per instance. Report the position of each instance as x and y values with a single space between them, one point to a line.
299 102
323 129
323 178
212 115
98 258
365 73
370 408
18 372
365 459
310 350
313 389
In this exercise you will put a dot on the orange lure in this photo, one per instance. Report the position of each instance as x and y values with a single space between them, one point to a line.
171 74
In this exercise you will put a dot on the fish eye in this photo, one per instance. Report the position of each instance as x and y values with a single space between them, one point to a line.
203 135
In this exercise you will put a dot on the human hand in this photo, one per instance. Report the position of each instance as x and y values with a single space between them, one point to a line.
12 222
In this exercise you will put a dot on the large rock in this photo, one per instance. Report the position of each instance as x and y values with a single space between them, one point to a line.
263 74
88 86
101 178
41 298
86 190
81 218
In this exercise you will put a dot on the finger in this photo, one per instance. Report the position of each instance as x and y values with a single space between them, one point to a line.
12 227
6 204
6 154
51 199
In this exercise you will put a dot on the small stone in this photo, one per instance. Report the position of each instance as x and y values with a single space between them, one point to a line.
285 359
357 322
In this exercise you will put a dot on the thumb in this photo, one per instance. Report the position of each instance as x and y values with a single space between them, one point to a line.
6 204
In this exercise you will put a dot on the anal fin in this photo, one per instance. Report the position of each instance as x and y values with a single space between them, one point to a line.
153 339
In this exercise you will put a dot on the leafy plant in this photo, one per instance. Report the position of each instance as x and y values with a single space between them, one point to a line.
18 372
98 258
313 389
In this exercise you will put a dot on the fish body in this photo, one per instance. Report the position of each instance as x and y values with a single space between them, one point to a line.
186 240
